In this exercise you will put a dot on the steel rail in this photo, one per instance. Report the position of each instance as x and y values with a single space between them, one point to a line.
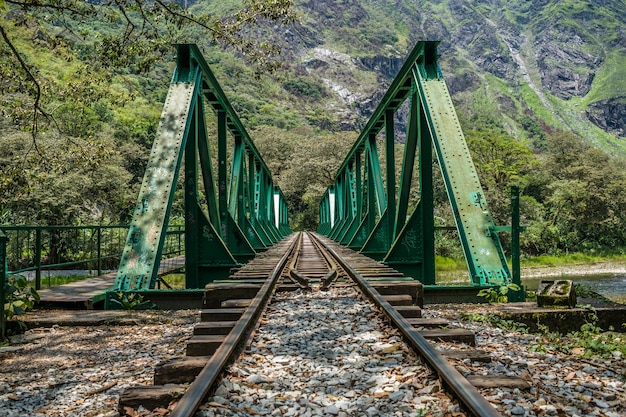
329 259
466 393
333 273
294 274
200 387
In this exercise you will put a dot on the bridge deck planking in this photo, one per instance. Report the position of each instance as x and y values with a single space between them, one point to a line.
92 290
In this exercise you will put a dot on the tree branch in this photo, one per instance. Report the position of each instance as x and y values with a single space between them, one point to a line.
36 106
184 16
37 4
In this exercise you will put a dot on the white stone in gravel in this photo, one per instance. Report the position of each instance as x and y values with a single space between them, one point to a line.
256 379
429 389
571 410
372 411
219 400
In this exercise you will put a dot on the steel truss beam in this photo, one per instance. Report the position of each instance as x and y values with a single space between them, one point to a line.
374 217
233 218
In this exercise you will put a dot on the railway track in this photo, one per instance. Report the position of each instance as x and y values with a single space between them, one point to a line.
327 295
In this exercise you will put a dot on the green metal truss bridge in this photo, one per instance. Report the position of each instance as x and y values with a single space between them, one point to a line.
236 210
239 213
366 214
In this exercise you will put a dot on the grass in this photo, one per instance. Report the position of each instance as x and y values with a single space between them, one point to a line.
176 281
571 259
53 281
451 271
610 81
446 264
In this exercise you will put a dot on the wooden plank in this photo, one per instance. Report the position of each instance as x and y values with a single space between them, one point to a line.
413 288
204 345
179 370
221 314
215 294
214 327
422 322
399 299
240 302
409 311
148 397
450 335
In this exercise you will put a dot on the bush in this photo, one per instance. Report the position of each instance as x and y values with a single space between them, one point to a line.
20 297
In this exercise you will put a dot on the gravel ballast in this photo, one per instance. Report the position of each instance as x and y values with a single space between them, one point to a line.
81 370
346 362
328 354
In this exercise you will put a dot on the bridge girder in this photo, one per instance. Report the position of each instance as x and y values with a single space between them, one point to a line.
383 227
237 215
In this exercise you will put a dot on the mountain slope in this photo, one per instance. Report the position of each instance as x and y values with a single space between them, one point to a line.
552 64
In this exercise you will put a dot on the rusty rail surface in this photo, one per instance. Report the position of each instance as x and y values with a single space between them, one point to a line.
199 389
470 398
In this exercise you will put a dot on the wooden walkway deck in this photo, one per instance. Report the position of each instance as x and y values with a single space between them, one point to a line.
85 293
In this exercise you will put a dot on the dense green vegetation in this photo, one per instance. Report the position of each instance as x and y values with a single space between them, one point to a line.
83 160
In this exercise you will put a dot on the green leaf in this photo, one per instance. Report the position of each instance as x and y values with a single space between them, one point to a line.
35 294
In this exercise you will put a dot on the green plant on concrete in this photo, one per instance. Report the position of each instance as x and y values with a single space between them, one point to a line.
497 321
589 342
132 301
592 341
20 297
498 294
513 325
547 341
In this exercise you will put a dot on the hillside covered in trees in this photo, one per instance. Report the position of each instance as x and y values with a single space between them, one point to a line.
540 88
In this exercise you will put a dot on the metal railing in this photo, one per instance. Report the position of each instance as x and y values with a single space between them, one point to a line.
3 276
94 248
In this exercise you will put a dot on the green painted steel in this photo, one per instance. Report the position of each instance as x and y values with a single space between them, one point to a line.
233 219
142 253
483 252
3 278
388 228
519 295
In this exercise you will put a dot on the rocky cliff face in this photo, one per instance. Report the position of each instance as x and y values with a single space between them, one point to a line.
610 115
570 54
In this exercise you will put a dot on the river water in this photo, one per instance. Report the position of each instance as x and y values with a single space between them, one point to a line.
609 285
